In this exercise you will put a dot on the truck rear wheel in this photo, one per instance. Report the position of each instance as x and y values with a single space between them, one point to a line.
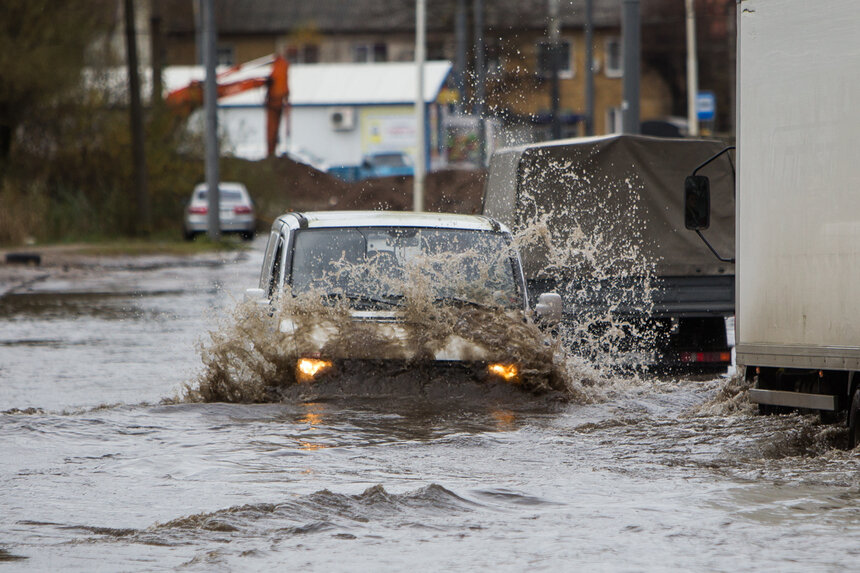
854 421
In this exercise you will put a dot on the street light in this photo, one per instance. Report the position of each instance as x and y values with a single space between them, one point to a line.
692 71
420 155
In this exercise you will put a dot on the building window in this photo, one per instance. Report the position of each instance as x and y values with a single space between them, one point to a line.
436 50
363 53
544 63
225 56
312 54
380 52
306 54
614 120
493 57
614 67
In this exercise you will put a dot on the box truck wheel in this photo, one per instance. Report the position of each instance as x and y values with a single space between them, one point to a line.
854 420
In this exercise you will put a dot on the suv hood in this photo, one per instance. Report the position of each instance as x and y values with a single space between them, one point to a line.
380 335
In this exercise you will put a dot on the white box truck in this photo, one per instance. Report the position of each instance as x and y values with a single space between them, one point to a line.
798 204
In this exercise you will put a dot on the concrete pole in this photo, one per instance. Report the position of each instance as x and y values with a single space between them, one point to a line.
692 71
630 47
555 57
141 220
210 104
480 79
156 49
589 67
420 144
460 58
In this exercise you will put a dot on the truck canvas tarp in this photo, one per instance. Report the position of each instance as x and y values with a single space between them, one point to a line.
618 202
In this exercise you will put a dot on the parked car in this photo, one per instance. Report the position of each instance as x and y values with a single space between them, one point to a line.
236 216
371 262
386 164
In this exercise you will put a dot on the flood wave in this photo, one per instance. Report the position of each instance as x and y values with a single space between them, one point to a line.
321 511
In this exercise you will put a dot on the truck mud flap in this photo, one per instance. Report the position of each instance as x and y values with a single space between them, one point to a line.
794 399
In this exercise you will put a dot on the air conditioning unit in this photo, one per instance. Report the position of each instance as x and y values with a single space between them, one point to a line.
342 118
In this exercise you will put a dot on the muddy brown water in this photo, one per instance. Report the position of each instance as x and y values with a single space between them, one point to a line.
100 471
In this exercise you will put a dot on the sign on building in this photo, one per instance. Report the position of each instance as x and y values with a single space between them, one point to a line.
706 106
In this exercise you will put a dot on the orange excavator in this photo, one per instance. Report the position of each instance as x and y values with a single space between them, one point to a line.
270 71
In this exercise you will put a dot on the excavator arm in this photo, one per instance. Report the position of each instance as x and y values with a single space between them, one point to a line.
277 100
273 75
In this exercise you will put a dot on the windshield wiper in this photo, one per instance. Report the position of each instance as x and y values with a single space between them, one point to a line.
460 301
388 300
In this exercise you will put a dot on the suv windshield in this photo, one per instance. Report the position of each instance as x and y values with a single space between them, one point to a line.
382 263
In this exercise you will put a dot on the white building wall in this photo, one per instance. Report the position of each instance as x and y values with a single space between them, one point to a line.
311 133
243 132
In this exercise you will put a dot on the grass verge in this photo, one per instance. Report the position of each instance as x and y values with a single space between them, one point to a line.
137 247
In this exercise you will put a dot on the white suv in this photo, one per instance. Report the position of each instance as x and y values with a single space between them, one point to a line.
236 211
411 287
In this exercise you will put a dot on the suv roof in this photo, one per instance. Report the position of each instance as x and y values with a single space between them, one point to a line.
322 219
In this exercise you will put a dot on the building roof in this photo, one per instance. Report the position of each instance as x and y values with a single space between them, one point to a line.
367 16
355 84
382 83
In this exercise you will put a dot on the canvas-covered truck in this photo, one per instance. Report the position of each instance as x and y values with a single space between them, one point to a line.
798 208
632 277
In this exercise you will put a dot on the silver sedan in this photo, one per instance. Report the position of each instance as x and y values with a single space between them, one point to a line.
236 211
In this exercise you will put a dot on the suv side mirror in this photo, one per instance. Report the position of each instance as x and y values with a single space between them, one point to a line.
548 307
697 202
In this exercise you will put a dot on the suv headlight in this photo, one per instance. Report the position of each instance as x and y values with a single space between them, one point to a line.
507 372
307 369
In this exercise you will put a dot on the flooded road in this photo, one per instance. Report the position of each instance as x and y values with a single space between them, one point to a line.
101 469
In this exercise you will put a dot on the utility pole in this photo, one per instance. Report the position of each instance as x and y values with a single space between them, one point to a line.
480 79
589 67
156 53
141 222
210 104
460 58
420 144
630 46
555 56
692 71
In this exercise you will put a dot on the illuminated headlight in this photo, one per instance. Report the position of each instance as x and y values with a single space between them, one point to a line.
507 372
308 368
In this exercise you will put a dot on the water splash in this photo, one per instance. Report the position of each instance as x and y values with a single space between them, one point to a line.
249 359
252 356
732 398
575 241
